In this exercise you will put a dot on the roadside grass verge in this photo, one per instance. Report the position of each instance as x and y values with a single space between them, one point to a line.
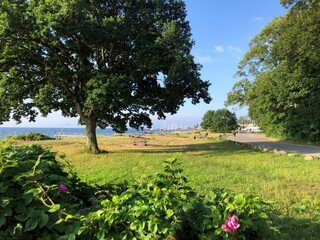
290 182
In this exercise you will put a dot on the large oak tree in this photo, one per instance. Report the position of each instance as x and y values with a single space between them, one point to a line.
111 63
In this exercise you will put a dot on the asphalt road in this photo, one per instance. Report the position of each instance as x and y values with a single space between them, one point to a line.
261 140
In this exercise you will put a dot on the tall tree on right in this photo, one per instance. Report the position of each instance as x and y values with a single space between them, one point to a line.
281 74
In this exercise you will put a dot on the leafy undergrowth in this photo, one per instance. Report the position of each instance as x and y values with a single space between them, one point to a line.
43 199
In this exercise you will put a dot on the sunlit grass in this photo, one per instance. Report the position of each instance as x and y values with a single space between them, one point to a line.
207 164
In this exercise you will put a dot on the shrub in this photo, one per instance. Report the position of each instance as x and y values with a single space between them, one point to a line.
30 202
41 198
31 136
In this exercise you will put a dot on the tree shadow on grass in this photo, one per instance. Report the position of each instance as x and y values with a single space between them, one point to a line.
221 148
298 229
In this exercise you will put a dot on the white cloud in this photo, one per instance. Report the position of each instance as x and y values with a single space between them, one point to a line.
257 19
235 51
218 48
204 59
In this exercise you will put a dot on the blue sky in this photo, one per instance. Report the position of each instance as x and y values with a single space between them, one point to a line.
222 30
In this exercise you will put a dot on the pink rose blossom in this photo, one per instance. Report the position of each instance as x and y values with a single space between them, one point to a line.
231 224
225 228
62 188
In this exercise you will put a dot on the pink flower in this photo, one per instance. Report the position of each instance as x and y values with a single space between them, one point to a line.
62 188
81 211
225 228
231 224
102 196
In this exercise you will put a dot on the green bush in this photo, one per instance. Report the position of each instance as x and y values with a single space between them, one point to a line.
31 136
31 203
163 207
43 199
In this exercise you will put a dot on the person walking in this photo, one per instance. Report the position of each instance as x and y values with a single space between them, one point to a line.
234 133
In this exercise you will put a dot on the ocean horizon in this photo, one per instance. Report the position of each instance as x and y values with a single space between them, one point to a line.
55 131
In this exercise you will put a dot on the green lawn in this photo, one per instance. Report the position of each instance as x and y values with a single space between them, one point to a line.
291 183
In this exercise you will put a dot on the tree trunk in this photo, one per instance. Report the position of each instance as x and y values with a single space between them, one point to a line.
91 137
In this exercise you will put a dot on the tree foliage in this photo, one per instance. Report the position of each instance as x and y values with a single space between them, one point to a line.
110 63
221 120
283 66
244 120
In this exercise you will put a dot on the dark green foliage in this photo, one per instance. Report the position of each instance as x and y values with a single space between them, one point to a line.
110 63
31 136
221 121
283 96
30 203
207 119
161 206
244 120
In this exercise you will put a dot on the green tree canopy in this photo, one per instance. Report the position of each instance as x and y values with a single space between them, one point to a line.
244 120
282 74
207 119
110 63
222 121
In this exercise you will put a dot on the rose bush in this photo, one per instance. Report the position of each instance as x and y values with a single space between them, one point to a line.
43 199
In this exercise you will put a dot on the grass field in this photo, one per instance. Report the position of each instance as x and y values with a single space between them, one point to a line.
290 182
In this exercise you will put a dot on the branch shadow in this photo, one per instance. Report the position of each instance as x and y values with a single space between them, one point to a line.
297 229
221 148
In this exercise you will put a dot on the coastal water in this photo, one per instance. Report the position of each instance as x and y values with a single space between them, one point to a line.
52 132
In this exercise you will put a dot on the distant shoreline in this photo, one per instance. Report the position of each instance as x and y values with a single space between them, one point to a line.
55 131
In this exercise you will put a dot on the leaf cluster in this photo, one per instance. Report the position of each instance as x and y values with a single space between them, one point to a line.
30 203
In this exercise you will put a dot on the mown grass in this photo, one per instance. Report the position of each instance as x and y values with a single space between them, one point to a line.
292 183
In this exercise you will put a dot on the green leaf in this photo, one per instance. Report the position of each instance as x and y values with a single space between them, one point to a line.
21 208
21 217
5 202
43 220
6 212
263 215
54 208
152 226
169 213
3 187
59 221
28 198
34 191
116 199
68 237
186 207
2 220
101 235
31 224
124 235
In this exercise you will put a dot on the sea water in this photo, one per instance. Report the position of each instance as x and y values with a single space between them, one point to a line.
52 132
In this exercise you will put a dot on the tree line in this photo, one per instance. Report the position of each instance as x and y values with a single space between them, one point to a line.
281 74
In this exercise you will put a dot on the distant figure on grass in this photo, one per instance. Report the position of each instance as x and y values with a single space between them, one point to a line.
234 133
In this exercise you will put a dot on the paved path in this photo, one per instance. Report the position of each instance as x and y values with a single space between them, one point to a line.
261 140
